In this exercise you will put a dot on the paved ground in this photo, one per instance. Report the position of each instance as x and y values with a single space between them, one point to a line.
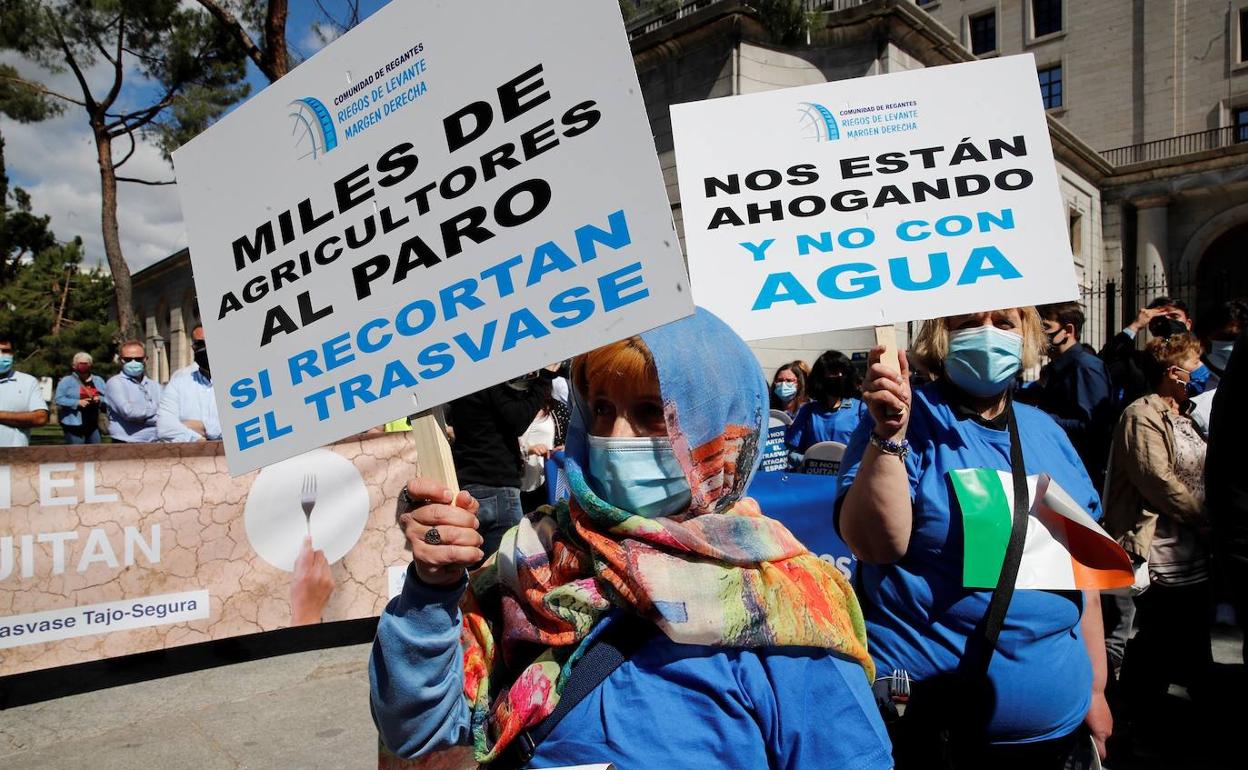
310 710
307 710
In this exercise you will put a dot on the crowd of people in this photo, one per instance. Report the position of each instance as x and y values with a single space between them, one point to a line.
711 630
658 615
135 407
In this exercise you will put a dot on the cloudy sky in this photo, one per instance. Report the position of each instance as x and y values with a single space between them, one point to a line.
55 160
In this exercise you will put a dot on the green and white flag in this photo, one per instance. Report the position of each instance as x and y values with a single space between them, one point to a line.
1064 550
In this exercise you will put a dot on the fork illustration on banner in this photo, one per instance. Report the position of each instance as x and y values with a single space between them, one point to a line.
307 498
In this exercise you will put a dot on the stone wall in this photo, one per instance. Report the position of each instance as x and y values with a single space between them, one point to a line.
1133 71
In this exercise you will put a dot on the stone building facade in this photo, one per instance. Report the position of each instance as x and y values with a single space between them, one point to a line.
164 302
1160 88
723 48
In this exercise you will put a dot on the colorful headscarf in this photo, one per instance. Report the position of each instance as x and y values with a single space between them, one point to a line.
719 573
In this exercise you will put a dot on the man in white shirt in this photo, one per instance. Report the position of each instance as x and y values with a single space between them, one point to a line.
188 409
21 405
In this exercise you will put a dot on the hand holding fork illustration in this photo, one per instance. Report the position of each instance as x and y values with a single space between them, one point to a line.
307 499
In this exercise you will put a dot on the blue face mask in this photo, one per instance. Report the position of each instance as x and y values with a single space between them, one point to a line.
638 475
1198 380
785 390
133 369
983 360
6 362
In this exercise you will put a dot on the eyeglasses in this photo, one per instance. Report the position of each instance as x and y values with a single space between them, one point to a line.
128 359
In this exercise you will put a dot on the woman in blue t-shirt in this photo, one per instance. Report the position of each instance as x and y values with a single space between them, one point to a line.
834 410
749 650
898 513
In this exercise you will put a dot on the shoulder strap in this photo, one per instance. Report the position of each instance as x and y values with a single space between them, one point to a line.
618 642
994 618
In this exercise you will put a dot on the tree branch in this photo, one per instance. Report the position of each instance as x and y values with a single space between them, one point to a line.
275 40
133 147
235 27
132 121
88 100
118 74
37 87
146 181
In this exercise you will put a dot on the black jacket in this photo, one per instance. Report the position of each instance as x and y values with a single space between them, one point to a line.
1126 372
1226 483
488 425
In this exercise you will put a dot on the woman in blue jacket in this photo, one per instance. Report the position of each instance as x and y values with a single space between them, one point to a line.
834 410
753 653
897 510
79 401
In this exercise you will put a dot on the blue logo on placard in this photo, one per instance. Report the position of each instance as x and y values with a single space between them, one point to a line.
314 128
818 123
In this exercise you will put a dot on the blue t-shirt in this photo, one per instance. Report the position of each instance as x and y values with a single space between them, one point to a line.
814 423
918 614
673 706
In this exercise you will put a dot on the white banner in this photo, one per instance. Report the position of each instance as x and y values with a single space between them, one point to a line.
89 619
872 201
450 195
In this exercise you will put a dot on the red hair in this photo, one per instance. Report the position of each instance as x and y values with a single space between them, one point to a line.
628 361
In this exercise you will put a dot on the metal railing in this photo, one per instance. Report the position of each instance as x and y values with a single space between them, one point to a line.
1175 146
666 13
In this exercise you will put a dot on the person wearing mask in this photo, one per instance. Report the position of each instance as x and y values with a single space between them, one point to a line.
188 409
21 405
1030 699
488 426
1074 388
1162 317
1217 329
1154 507
738 647
79 401
788 388
133 398
833 411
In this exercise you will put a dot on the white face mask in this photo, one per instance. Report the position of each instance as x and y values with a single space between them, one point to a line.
1220 354
638 475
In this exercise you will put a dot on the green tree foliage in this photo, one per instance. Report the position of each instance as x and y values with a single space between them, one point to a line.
52 308
785 20
171 71
635 9
21 232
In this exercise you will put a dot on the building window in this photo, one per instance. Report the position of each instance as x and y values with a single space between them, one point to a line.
1076 233
1243 34
1046 17
1051 86
984 33
1241 124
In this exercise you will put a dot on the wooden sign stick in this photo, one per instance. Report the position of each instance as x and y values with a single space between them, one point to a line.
433 451
434 459
886 337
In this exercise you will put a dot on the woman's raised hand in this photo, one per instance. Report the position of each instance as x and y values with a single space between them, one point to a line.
441 532
886 392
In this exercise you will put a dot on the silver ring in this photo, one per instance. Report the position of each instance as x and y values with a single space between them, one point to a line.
433 537
406 500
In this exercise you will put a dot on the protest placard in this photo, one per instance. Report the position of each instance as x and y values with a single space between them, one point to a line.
111 550
873 201
450 195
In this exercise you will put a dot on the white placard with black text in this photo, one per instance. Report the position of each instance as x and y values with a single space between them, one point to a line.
450 195
872 201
